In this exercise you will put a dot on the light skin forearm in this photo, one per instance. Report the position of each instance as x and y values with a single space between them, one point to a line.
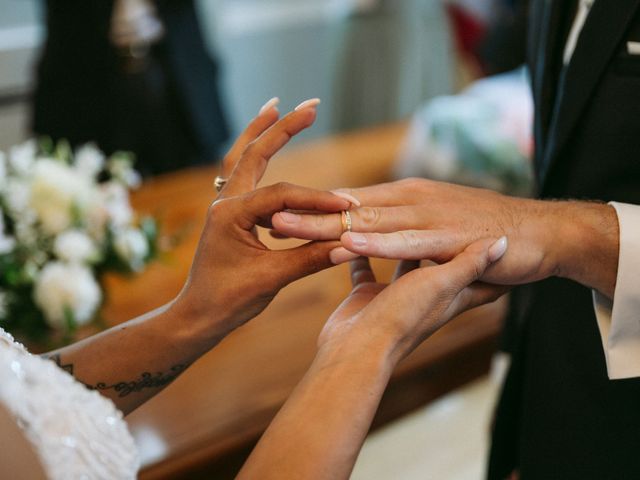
321 428
134 361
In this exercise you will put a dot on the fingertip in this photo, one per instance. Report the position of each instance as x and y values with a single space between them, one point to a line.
498 249
355 239
341 255
277 235
312 103
271 104
347 196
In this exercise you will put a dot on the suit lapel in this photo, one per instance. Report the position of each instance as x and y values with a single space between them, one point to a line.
602 32
545 32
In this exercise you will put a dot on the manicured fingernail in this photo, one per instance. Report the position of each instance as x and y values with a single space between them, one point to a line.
498 249
269 105
289 217
357 239
346 196
313 102
341 255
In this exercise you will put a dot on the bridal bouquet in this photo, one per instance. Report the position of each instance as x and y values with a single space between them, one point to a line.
65 219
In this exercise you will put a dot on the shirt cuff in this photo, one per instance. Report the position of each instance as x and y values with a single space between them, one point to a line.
619 320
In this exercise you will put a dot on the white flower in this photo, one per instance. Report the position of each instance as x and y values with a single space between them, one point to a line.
56 191
17 196
131 246
89 160
116 201
121 168
25 230
64 287
75 246
22 157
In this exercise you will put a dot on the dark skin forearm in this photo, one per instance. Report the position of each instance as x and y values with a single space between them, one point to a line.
134 361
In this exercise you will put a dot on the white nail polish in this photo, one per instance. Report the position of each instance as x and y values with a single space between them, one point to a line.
346 196
498 249
313 102
269 105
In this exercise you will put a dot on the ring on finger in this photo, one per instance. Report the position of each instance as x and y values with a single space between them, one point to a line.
219 183
345 218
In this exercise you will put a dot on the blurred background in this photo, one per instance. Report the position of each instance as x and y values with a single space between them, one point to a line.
431 88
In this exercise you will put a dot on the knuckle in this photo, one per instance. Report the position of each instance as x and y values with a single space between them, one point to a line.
254 151
414 183
217 208
411 240
228 161
282 187
369 216
318 221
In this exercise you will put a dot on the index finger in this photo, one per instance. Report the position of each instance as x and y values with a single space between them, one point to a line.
259 205
253 162
266 117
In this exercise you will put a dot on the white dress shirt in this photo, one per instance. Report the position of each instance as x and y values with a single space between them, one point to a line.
619 320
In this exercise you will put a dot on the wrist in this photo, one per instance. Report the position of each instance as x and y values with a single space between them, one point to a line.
587 244
375 354
193 325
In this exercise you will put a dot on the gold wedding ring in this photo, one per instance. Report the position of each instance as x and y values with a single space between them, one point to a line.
346 221
219 183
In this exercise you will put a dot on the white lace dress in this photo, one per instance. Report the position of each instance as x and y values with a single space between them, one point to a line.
76 432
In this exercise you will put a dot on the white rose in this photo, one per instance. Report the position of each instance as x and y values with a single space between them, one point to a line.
75 246
89 160
121 168
131 246
63 286
116 202
17 196
25 231
22 157
56 190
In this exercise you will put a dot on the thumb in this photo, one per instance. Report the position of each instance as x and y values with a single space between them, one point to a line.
470 265
466 269
307 259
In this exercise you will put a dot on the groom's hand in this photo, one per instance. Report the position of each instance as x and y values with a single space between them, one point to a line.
418 219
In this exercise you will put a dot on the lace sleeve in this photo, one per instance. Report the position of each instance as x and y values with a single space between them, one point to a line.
76 432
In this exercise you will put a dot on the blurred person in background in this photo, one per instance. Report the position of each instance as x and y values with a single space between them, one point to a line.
130 75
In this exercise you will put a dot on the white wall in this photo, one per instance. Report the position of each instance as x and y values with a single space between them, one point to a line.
20 36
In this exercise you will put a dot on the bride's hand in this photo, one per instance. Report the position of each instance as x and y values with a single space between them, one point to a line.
399 316
234 276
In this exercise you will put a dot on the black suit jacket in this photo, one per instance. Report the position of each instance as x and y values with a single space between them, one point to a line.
559 416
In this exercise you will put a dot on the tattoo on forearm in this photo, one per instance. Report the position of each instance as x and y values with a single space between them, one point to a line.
124 388
146 380
68 367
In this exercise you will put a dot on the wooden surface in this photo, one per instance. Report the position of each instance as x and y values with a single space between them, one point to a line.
220 406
